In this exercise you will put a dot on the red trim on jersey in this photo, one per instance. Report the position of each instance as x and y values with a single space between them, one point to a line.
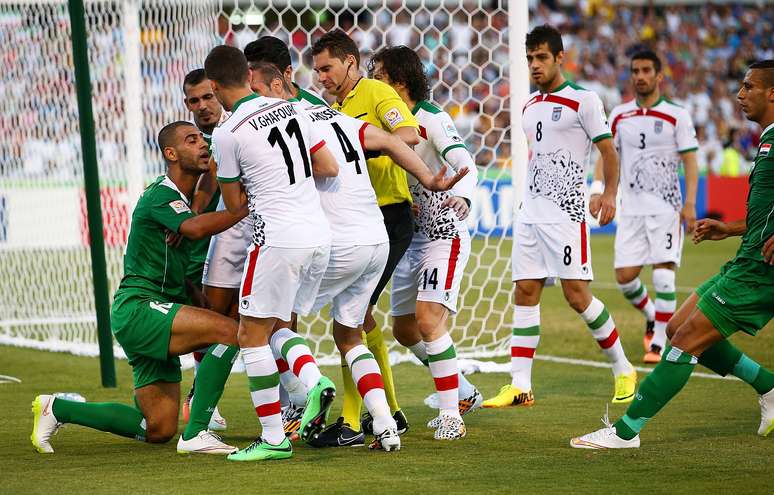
609 341
584 250
361 134
247 286
553 99
663 317
198 356
317 147
643 112
268 409
369 382
300 362
282 365
525 352
453 255
642 303
422 132
446 382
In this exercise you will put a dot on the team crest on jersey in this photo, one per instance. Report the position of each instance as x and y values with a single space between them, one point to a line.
393 117
658 126
764 149
556 114
179 206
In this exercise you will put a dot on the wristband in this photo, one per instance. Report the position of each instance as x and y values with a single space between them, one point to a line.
597 187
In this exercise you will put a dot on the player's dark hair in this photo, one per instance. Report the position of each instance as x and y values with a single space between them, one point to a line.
226 66
545 34
338 44
647 55
193 78
168 133
268 49
767 66
268 72
402 65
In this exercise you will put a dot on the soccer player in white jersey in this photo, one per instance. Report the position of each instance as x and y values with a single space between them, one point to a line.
426 282
653 135
360 244
270 147
551 235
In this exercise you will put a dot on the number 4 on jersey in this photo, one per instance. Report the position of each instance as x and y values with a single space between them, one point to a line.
346 146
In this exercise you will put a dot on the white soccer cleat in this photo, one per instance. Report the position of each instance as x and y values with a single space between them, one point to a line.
388 440
217 422
206 442
466 405
605 438
44 424
450 428
767 413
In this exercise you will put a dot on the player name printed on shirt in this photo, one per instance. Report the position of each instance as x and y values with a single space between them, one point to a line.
649 143
349 200
267 143
560 127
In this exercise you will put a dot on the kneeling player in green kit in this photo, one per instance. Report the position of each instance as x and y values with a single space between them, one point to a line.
739 297
151 323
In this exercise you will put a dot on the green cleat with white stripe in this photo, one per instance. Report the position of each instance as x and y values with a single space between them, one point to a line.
318 404
263 451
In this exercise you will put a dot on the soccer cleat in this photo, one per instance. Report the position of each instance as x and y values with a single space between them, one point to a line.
605 438
338 434
44 424
263 451
648 337
187 406
467 405
653 356
367 422
388 440
217 422
450 428
625 386
291 419
206 442
767 413
318 404
510 396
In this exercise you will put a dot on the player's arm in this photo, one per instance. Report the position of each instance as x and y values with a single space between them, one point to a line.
394 115
208 184
207 224
408 135
449 145
688 213
324 164
708 229
609 157
376 139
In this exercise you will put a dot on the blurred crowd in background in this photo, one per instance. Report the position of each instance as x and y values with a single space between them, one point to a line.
705 48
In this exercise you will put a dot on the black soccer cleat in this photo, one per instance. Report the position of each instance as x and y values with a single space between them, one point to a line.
367 423
338 434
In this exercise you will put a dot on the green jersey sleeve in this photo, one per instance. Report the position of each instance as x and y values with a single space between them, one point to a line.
169 209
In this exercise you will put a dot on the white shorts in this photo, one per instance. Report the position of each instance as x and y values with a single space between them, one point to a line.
648 239
280 281
542 250
430 271
226 256
349 281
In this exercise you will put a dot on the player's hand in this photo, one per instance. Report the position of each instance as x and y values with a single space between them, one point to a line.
688 217
440 182
459 205
595 203
173 238
606 208
415 210
768 251
708 229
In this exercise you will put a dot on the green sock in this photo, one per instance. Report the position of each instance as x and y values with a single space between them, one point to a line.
667 379
747 370
723 358
210 379
104 416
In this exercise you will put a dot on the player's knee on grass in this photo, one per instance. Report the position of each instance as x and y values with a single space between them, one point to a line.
160 428
405 330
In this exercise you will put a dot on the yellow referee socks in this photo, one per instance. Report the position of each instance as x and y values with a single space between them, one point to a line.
375 344
350 410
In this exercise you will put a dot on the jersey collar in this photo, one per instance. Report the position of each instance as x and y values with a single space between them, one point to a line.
170 184
239 102
352 92
660 99
561 87
416 108
769 128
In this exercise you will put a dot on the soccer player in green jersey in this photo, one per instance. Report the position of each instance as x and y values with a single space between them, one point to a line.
739 297
151 320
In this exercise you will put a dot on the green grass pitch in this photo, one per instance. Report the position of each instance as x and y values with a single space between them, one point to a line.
703 441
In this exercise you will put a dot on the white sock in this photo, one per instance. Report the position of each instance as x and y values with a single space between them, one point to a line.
294 350
666 303
637 294
368 379
263 379
524 340
603 329
290 386
443 367
466 389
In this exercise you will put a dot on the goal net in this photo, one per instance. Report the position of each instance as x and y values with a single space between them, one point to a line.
139 52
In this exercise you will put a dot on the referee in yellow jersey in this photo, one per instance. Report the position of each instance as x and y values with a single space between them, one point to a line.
337 63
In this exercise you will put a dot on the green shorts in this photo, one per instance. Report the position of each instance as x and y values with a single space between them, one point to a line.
739 297
143 325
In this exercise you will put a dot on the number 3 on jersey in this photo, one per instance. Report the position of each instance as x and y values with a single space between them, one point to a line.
292 129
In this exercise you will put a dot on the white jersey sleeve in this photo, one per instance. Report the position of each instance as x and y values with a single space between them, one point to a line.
685 133
443 135
225 151
593 118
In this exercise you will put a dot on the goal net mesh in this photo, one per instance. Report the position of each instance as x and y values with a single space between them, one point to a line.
139 52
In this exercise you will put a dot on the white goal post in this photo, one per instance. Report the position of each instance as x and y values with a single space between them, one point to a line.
139 52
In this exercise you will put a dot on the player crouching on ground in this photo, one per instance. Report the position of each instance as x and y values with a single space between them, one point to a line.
151 322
